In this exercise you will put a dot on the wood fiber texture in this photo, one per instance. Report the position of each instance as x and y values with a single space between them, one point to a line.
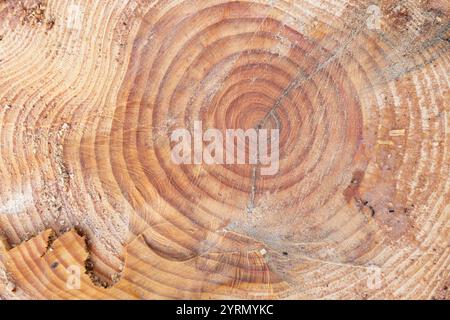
90 92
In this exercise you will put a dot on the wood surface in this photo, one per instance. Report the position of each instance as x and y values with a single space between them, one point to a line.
91 90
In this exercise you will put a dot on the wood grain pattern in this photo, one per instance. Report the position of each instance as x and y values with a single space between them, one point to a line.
90 92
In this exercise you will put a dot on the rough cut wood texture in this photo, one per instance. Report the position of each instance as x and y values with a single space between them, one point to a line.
91 90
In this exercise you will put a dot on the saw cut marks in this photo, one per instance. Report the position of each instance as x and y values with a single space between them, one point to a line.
91 91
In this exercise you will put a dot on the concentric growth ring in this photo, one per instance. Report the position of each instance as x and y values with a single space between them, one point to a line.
361 187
